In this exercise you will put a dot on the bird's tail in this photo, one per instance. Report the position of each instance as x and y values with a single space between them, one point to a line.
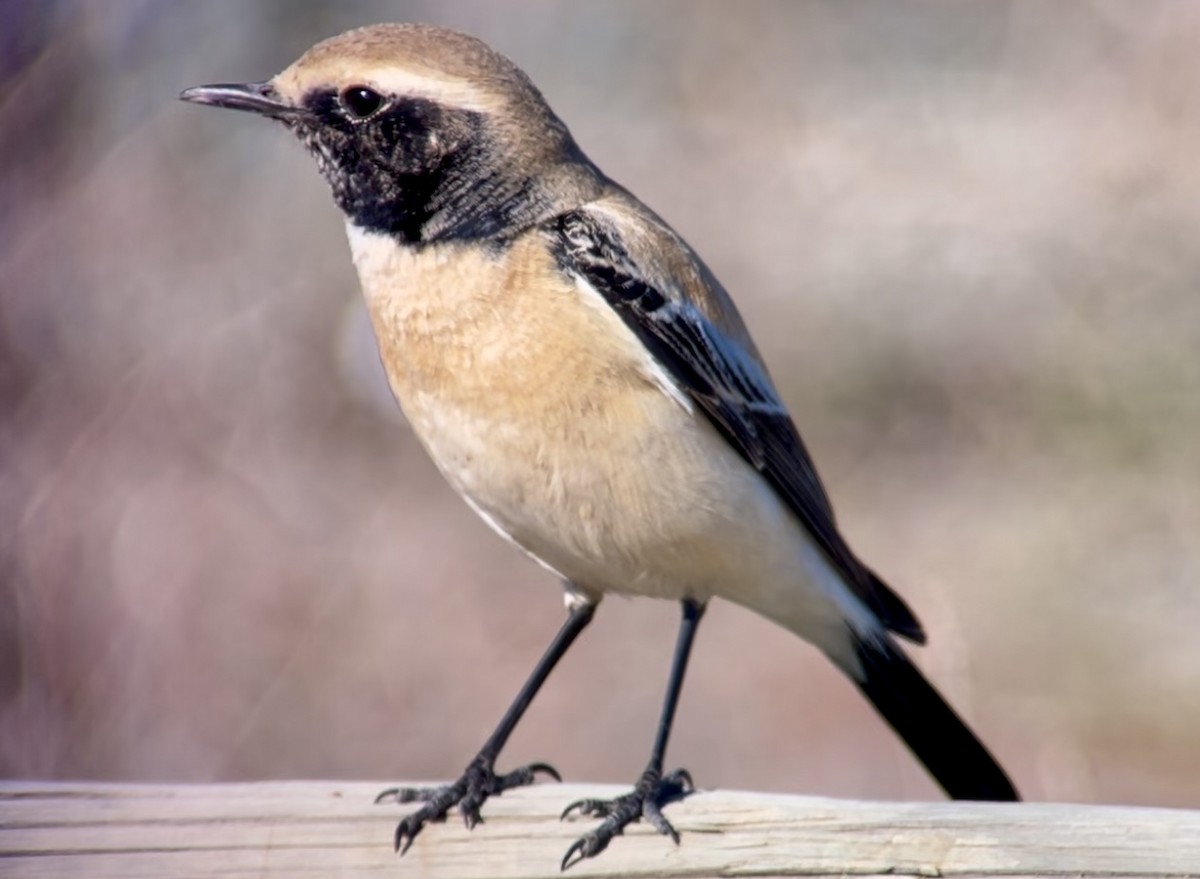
936 735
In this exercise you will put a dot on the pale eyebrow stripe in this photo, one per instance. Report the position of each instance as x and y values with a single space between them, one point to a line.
455 93
452 92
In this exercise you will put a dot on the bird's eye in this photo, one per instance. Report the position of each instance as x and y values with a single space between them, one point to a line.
360 101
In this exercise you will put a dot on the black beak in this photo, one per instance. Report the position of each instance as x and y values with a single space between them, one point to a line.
255 97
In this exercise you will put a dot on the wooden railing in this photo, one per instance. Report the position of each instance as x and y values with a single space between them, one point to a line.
318 829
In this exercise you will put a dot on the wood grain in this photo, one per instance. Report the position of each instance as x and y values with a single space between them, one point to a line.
319 829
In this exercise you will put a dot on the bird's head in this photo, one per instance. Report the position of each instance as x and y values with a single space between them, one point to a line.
423 133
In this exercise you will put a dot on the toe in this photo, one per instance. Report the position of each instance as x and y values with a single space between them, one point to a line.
587 809
526 775
390 794
652 812
587 846
406 832
469 808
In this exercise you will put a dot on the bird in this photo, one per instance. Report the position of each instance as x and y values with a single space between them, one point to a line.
582 379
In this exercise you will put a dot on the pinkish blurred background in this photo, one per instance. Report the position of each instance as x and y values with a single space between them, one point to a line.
967 237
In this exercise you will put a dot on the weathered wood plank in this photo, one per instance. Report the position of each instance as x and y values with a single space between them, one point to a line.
319 829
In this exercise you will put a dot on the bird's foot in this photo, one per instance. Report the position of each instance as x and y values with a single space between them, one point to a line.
478 782
646 800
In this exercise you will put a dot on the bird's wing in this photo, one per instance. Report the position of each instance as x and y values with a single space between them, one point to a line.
672 303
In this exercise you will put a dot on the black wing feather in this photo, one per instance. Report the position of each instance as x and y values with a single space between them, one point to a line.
732 391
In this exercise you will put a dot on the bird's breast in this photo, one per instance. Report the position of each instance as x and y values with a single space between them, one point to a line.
543 409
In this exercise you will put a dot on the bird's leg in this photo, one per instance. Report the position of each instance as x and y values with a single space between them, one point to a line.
653 790
479 780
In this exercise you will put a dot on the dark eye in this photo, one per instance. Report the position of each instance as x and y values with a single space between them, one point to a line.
360 101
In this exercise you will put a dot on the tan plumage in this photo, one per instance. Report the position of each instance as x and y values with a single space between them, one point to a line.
549 418
583 380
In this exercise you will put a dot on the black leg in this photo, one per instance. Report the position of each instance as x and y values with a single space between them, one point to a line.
479 780
653 790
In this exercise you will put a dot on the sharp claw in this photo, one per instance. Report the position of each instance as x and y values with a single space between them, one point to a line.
405 836
652 813
575 849
581 805
587 846
683 775
534 768
470 815
390 792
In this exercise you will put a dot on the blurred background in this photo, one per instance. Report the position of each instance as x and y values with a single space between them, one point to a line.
964 234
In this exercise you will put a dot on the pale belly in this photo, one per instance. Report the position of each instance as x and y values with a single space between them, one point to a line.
654 505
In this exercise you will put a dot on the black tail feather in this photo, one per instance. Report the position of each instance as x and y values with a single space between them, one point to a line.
936 735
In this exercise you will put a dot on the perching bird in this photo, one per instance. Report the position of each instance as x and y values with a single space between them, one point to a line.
580 377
